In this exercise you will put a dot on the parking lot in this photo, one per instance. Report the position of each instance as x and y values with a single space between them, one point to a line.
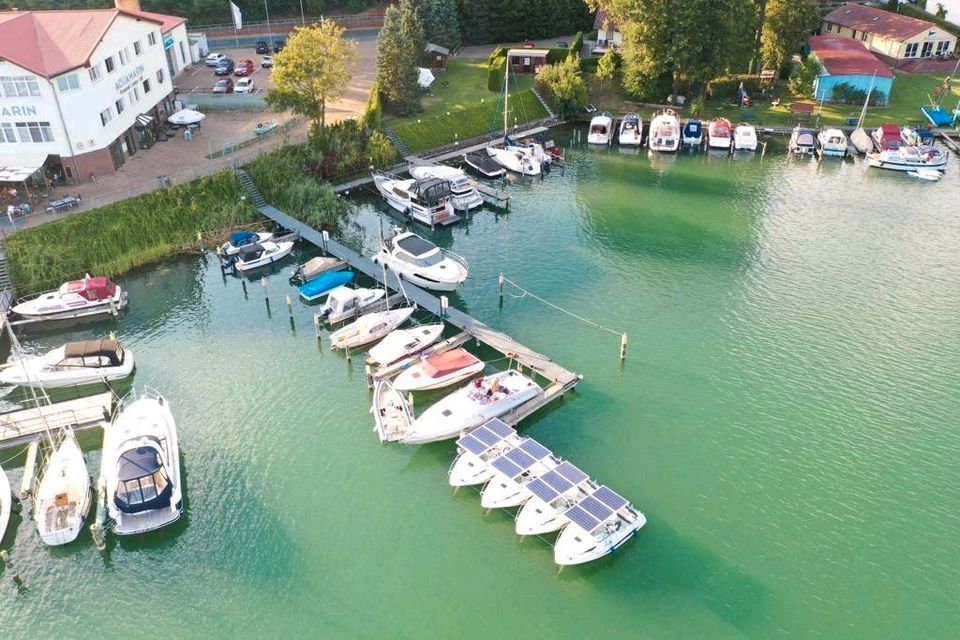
202 78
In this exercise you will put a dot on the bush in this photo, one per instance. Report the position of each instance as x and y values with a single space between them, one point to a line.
372 117
499 52
563 87
496 73
807 73
557 54
727 86
577 45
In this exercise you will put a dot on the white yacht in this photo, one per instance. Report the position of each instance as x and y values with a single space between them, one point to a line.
6 503
483 399
439 370
664 134
343 303
73 364
599 524
513 471
601 129
631 130
745 138
427 201
531 147
86 297
255 256
64 495
421 262
463 193
552 494
141 465
369 328
477 448
927 157
832 142
514 159
391 412
239 239
401 343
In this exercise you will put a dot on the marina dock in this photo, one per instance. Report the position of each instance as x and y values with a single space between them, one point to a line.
27 425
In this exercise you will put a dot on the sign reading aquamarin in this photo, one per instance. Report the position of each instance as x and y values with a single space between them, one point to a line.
129 78
18 111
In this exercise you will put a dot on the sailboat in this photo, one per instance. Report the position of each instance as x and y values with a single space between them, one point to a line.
6 502
860 138
510 157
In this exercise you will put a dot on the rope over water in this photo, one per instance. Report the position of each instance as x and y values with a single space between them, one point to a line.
590 322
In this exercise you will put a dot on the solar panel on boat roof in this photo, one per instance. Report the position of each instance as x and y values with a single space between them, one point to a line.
500 428
596 508
485 436
521 458
557 481
542 490
582 518
571 473
471 444
535 449
609 497
506 467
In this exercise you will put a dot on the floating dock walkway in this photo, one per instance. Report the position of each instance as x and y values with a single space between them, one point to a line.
559 378
27 425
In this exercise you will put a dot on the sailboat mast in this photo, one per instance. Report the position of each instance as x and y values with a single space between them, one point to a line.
506 94
866 101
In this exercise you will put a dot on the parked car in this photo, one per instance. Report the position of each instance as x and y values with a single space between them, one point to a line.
278 45
224 67
244 85
562 45
245 68
266 62
224 85
262 46
213 59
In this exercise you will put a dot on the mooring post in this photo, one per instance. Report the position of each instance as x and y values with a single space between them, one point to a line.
444 303
243 285
326 238
500 284
368 372
316 326
623 347
199 242
289 306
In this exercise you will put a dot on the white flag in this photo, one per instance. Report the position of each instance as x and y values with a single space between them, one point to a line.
237 16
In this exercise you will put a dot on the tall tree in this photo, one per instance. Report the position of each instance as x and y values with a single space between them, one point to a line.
313 69
441 24
399 51
785 26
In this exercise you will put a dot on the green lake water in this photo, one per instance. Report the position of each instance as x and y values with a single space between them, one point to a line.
787 418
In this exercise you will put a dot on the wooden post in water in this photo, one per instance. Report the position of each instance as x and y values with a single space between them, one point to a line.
317 330
199 242
623 347
326 238
368 373
444 303
500 286
243 285
289 306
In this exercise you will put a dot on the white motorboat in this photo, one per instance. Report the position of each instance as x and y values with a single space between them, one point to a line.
483 399
391 412
64 495
141 465
664 134
77 298
531 147
631 130
599 524
239 239
427 201
719 134
886 137
802 141
369 328
926 174
832 142
73 364
484 164
463 193
256 256
745 138
928 158
421 262
514 159
315 267
343 303
439 370
513 471
6 503
915 136
477 448
601 129
401 343
553 494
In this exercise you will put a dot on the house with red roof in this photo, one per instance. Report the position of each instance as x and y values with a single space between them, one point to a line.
893 36
847 61
608 33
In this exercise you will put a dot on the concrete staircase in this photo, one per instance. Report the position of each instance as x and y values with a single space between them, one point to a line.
397 142
544 103
255 196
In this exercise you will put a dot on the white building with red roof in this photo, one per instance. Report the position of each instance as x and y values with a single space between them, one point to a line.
894 36
81 91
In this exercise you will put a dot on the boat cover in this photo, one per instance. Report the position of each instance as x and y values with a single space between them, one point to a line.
95 349
325 282
415 245
250 252
721 128
692 129
240 238
448 362
139 472
98 288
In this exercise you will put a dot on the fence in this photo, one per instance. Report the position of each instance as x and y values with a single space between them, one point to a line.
286 25
225 101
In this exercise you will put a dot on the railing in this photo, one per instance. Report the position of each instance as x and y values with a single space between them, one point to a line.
286 25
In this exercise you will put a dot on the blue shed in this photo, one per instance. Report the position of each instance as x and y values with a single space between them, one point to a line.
845 60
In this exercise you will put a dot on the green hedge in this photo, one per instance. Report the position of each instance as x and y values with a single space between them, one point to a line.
577 45
373 114
726 87
499 52
495 74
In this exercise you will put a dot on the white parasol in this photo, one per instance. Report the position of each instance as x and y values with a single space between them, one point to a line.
186 116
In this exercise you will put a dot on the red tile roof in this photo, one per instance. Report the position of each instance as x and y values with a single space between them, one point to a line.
604 17
845 56
877 21
49 43
167 22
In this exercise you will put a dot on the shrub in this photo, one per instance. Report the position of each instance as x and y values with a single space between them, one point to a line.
807 73
577 45
563 87
499 52
496 73
373 115
381 150
727 86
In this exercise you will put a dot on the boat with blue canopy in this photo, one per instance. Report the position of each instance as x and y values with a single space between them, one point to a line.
240 239
324 284
692 133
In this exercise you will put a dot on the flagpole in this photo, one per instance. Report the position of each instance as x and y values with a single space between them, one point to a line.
303 17
269 30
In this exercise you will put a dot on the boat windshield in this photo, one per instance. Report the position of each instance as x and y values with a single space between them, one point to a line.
142 484
428 260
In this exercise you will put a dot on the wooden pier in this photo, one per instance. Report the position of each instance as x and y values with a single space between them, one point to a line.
27 425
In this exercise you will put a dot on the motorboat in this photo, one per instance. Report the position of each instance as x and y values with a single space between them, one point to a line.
552 494
477 448
692 134
439 370
324 284
369 328
343 303
832 142
664 132
427 201
391 412
803 141
745 138
531 147
483 164
314 267
861 140
926 174
599 524
554 152
514 159
601 129
257 256
463 193
6 503
916 136
402 343
482 400
631 130
239 239
64 495
719 134
886 137
87 297
73 364
140 465
927 158
513 471
421 262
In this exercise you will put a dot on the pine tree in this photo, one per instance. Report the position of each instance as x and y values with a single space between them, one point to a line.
441 24
399 52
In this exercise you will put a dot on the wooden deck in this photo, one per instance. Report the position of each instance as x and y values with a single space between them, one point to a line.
26 425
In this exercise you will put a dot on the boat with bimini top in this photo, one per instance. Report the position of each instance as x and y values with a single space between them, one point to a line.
76 298
417 260
439 370
73 364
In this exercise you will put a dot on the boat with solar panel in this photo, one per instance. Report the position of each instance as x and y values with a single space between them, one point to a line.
369 328
401 343
480 401
513 471
343 303
479 447
599 524
439 370
421 262
552 494
392 415
239 239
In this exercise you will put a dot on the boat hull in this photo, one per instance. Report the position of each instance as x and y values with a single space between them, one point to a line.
59 379
64 495
536 517
576 546
906 166
6 503
116 303
284 250
369 328
392 415
413 379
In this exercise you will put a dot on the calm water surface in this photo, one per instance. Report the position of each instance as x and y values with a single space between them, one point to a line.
787 419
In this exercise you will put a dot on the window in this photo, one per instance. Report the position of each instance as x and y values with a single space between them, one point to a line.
110 64
119 105
20 86
160 76
136 94
829 27
863 36
106 116
7 133
137 47
68 83
33 131
942 47
146 86
911 51
124 56
927 50
183 55
152 38
47 131
96 72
